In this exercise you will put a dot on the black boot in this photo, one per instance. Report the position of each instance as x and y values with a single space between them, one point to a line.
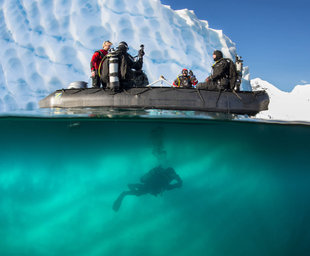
96 81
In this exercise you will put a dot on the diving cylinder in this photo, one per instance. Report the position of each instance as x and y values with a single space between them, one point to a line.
239 64
239 68
113 72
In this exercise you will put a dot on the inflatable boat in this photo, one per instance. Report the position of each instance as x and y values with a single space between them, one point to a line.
170 98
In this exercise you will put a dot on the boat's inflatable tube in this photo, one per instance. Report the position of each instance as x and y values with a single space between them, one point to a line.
249 103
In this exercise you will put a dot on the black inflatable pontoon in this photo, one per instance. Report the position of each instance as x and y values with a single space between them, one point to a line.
169 98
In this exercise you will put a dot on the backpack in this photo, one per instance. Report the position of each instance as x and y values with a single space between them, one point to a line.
124 69
232 77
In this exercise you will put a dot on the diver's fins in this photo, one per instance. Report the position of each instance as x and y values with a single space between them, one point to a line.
118 202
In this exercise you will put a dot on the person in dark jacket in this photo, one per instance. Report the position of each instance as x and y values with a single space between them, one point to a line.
127 65
219 80
154 182
185 79
95 62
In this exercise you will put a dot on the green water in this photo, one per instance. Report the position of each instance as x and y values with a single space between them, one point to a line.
246 187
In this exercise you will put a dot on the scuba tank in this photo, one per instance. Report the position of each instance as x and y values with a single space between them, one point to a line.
239 63
113 83
239 68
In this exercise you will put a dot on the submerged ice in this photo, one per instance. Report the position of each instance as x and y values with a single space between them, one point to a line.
59 179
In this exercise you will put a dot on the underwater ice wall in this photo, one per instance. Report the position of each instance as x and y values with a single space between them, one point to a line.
45 45
58 182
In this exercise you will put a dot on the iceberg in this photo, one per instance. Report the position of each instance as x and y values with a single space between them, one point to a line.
46 45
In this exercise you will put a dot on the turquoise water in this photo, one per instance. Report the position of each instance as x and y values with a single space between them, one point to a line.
246 187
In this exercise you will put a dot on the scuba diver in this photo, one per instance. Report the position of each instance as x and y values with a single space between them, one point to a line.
185 79
223 74
154 182
95 63
121 70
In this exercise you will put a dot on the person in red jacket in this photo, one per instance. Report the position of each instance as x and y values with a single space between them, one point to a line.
95 62
185 80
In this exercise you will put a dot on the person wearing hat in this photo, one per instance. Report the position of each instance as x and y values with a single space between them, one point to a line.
219 79
185 79
95 63
127 65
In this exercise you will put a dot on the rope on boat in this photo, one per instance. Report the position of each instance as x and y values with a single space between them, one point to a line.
162 80
202 99
234 92
218 97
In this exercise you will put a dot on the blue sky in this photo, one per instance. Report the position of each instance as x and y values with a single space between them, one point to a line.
273 37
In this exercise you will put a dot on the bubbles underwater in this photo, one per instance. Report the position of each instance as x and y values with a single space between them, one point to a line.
245 187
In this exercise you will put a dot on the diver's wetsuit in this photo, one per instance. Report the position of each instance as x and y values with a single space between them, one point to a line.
155 182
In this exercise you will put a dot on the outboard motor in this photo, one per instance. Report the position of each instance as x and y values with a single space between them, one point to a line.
239 68
77 85
113 83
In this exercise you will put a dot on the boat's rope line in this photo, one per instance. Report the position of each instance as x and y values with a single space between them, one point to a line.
228 106
139 93
218 97
202 99
79 90
95 91
234 92
136 94
161 80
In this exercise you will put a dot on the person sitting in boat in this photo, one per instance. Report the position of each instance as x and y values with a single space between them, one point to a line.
95 62
154 182
185 79
128 66
219 80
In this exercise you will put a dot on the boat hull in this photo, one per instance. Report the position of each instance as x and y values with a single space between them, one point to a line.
170 98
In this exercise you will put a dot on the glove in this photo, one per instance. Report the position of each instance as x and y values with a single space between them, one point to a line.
191 73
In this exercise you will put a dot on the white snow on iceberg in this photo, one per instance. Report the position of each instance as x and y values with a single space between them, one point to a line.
285 106
45 45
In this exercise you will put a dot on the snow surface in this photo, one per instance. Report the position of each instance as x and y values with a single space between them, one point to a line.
288 106
45 45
